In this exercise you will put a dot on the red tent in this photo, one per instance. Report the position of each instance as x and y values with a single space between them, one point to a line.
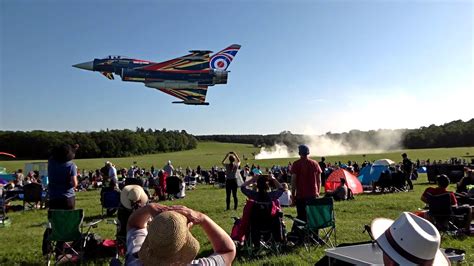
352 181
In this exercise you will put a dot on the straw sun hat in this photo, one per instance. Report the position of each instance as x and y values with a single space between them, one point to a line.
409 240
132 194
169 241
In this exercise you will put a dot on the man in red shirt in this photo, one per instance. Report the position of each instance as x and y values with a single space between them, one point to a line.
443 183
305 181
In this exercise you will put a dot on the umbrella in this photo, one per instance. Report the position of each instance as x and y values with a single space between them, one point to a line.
384 162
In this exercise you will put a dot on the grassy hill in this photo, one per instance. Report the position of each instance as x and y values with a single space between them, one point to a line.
208 154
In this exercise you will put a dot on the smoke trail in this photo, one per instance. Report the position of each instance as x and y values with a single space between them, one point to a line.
354 142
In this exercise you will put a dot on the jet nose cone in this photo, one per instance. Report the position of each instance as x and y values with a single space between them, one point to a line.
85 65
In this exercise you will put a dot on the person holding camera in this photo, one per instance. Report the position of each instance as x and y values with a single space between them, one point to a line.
231 177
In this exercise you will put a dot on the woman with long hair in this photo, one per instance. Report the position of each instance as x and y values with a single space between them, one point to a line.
232 169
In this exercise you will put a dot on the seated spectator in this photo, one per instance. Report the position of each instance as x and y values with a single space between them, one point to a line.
175 187
162 183
263 186
461 186
167 239
443 183
132 198
262 206
341 192
384 182
409 240
285 198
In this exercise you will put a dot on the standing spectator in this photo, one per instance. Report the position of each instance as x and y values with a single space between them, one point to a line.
131 172
62 173
305 181
407 169
231 178
323 166
112 173
168 168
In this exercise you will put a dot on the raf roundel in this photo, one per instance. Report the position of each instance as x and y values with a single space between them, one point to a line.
219 62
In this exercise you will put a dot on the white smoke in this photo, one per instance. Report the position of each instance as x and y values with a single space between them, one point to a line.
340 144
276 151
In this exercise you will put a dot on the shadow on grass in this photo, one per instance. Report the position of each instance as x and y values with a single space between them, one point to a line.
89 219
44 224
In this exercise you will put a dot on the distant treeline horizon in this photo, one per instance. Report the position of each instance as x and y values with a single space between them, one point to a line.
453 134
37 144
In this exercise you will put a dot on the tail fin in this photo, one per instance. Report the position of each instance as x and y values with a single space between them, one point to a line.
222 59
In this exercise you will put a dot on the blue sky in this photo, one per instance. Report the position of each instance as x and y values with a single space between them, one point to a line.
304 66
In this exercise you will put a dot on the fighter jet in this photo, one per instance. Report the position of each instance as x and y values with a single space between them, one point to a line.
186 77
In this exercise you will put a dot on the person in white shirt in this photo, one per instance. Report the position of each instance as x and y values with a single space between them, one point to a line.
285 198
112 173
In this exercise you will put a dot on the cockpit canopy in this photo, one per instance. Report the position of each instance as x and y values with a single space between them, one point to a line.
116 57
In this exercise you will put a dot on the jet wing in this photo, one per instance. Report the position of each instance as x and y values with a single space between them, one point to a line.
196 60
192 96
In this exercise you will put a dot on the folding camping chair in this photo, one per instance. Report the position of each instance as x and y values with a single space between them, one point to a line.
266 232
4 220
441 213
172 186
65 238
110 202
121 230
320 217
32 195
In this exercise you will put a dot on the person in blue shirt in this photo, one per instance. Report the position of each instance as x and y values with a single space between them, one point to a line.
62 175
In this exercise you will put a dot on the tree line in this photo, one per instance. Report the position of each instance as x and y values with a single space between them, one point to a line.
453 134
109 143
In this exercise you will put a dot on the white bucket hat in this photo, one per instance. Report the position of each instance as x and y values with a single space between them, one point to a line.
409 240
131 195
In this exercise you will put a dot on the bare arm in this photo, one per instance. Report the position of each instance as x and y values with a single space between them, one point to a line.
223 161
140 217
221 242
236 157
293 185
250 181
318 181
74 181
276 183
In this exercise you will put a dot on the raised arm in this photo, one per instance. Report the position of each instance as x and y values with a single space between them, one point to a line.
140 217
275 182
223 161
250 181
221 242
236 157
293 188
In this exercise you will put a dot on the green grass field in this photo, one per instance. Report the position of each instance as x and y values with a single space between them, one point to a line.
21 242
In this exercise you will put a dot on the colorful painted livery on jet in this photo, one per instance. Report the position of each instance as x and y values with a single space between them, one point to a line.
186 77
